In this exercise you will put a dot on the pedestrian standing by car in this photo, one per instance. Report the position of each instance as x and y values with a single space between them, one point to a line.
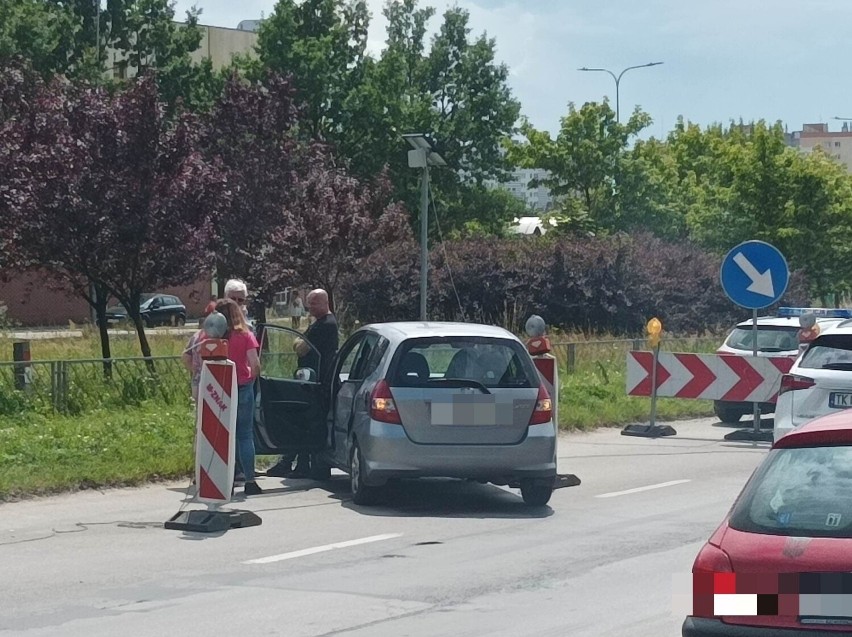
237 291
322 335
191 357
297 308
243 351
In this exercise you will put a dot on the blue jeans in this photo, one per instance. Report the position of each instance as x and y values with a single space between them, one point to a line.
245 430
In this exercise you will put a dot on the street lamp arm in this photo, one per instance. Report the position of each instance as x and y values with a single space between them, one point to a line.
638 66
603 70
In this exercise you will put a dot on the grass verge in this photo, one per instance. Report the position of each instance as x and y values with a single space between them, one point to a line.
48 453
590 399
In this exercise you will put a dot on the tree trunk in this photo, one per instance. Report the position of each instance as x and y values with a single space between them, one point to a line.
143 339
100 305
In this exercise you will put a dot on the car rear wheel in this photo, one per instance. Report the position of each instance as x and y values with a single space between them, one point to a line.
361 493
536 493
728 414
180 321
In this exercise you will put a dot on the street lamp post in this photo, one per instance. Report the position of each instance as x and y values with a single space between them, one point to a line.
617 79
422 156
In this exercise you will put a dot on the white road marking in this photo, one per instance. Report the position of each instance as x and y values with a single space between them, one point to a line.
322 549
639 489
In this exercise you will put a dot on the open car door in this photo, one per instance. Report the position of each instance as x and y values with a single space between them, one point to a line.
291 409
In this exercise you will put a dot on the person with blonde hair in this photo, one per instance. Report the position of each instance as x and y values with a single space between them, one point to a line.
243 352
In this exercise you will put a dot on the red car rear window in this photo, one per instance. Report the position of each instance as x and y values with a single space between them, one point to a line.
800 492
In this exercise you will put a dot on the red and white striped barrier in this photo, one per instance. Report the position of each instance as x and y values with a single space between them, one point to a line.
216 423
547 369
707 376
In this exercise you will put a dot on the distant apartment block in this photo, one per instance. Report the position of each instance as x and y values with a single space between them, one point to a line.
837 145
536 198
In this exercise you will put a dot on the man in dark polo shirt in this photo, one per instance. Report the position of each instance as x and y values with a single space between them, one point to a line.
322 335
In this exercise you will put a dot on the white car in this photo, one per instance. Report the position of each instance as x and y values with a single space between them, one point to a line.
820 381
777 337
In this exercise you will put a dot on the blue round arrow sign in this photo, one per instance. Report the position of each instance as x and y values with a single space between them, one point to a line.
754 274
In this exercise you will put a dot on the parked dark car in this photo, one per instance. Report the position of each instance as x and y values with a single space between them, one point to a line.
156 309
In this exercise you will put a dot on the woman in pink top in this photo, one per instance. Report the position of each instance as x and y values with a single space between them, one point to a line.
243 351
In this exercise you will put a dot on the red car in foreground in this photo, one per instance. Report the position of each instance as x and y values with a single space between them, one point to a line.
781 562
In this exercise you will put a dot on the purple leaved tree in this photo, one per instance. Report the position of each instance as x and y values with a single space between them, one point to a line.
107 195
338 223
251 133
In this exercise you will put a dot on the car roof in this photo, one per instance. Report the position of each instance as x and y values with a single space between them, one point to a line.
832 429
841 327
786 321
402 330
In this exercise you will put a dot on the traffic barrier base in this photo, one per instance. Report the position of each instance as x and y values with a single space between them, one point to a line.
214 521
762 435
648 430
566 480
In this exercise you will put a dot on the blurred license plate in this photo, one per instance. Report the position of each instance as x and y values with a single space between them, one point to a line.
839 400
477 409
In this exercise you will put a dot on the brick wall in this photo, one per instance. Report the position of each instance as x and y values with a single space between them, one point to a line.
30 302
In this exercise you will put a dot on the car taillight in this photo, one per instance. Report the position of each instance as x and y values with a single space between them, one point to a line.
791 382
543 411
706 582
382 405
712 559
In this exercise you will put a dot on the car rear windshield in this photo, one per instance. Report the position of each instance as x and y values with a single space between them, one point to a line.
829 352
801 492
491 362
770 338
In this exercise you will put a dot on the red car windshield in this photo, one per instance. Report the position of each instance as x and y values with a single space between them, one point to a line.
805 492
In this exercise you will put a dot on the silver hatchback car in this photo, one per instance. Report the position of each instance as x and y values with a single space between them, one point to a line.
408 400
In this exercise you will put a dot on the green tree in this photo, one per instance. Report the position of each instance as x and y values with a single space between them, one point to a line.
588 166
762 189
453 90
82 39
322 44
44 33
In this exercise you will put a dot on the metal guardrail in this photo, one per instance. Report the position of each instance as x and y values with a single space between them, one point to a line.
78 386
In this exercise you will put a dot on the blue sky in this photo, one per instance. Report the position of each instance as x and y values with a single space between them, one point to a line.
723 59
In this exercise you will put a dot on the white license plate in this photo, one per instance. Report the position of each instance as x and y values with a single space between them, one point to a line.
465 410
839 400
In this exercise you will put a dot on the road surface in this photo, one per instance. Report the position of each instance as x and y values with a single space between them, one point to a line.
445 558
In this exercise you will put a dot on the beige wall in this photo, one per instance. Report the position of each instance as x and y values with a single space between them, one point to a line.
220 44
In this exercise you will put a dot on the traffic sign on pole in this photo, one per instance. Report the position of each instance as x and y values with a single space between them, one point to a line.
754 274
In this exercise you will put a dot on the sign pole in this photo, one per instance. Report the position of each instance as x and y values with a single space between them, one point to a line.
754 275
756 431
654 328
653 419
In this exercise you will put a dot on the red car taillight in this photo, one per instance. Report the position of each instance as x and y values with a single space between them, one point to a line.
543 407
712 559
711 562
382 405
791 382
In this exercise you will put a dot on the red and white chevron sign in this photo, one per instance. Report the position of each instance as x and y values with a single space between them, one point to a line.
708 376
216 421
